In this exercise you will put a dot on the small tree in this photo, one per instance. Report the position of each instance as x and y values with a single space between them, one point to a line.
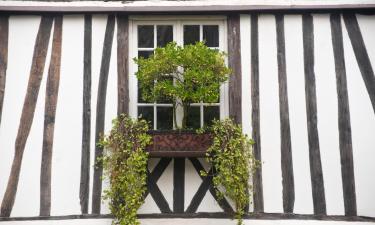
183 75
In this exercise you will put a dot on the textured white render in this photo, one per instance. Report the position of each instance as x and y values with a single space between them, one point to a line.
68 127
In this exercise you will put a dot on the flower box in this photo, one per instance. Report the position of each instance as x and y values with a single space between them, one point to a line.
176 143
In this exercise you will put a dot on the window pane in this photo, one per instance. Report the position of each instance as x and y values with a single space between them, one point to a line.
211 35
210 113
164 35
145 54
147 113
164 118
146 36
191 34
194 118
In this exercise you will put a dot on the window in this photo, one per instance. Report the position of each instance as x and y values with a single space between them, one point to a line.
150 34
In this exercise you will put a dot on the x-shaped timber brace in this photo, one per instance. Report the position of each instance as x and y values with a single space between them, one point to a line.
179 186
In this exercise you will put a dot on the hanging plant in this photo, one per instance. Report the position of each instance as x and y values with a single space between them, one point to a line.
125 165
231 156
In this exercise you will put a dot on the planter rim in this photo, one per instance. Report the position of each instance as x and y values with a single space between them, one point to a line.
176 132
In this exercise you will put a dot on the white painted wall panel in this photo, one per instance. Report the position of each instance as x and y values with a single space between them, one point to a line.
246 73
269 114
111 102
297 113
21 47
327 114
66 159
98 30
363 125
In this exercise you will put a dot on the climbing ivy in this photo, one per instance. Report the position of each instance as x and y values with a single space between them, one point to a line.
231 156
125 165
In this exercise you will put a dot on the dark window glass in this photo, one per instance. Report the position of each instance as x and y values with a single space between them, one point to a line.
194 118
164 35
145 54
191 34
146 36
147 113
164 118
210 113
211 35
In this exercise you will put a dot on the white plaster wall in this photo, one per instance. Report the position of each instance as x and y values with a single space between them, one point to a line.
22 35
269 114
68 128
327 113
362 119
297 113
66 158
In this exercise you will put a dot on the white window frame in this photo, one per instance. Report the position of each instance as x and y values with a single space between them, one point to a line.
178 22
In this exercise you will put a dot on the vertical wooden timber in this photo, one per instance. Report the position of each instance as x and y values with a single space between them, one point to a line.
100 112
234 62
52 91
255 115
361 55
178 185
4 30
122 64
36 74
286 147
317 182
345 130
86 117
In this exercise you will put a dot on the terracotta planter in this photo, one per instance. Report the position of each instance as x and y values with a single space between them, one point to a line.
178 144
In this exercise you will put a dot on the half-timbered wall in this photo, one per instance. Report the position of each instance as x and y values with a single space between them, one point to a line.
308 99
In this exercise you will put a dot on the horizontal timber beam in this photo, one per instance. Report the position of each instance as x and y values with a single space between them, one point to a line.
213 215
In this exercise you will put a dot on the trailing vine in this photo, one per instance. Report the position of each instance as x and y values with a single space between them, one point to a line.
231 156
125 165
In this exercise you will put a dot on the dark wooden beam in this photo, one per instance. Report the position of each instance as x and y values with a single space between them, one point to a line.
199 195
52 92
100 113
169 9
36 75
157 195
286 146
122 64
208 215
345 130
361 55
223 203
159 170
234 62
84 187
178 185
4 30
317 182
255 115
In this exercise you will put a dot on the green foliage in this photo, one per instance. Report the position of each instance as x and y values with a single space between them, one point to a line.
183 75
231 155
125 165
